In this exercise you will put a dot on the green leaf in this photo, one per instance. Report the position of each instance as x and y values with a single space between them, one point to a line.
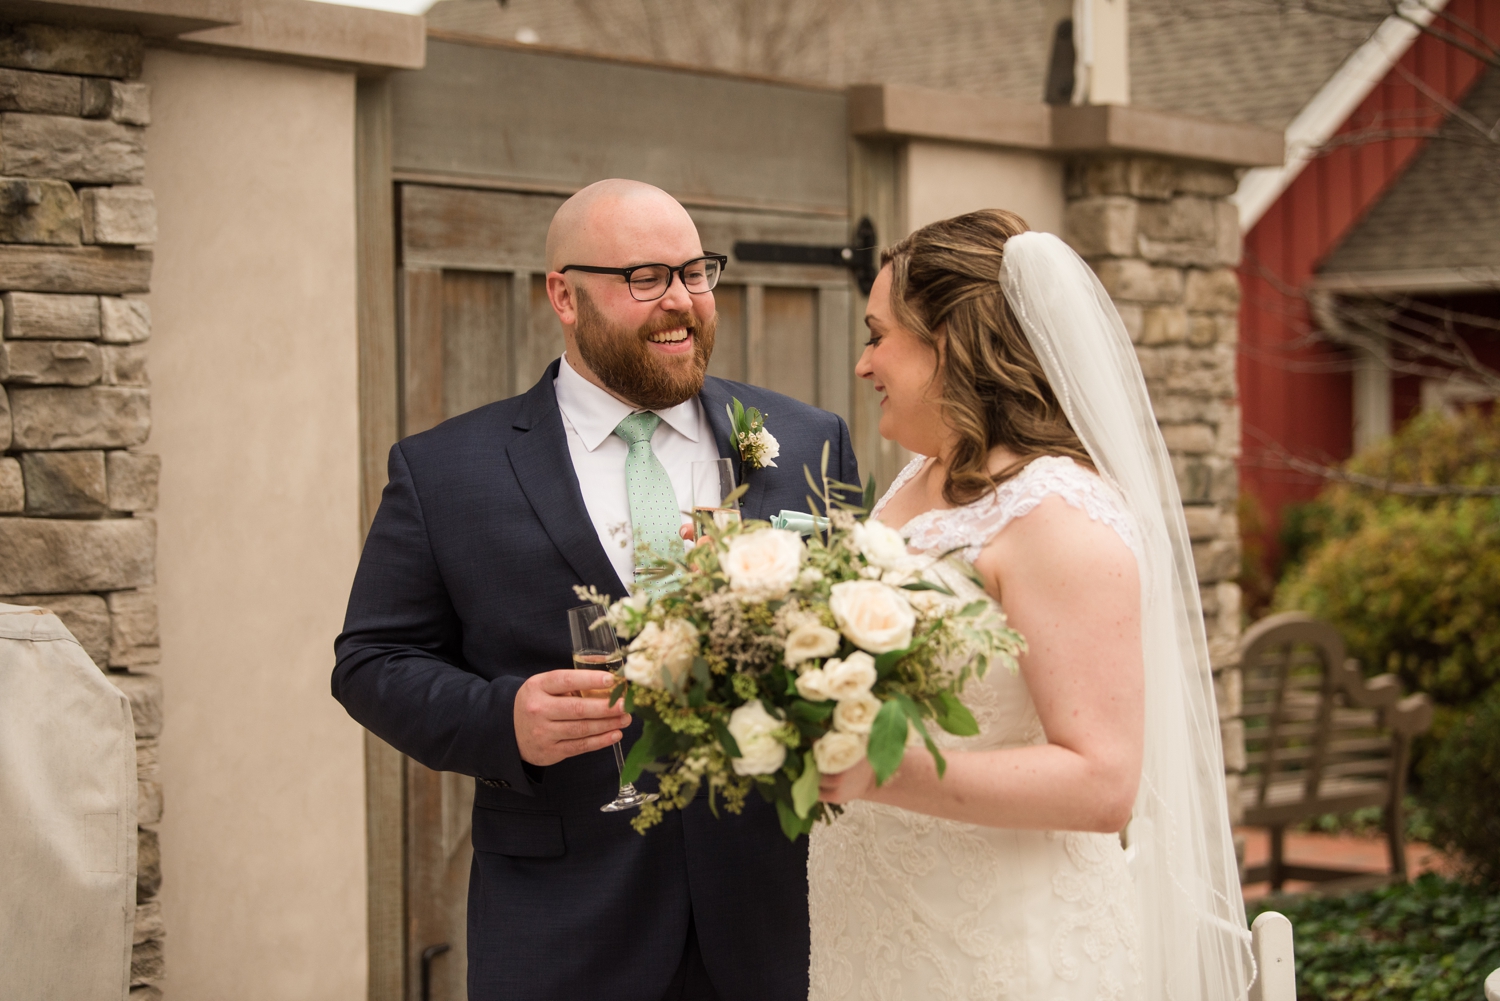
617 692
726 739
914 713
824 465
813 712
869 496
630 698
812 484
886 662
954 716
926 585
791 824
656 740
887 741
972 608
805 789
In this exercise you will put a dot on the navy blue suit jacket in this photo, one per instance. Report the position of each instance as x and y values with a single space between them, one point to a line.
461 594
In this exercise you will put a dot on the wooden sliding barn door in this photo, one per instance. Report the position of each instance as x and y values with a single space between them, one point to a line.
475 327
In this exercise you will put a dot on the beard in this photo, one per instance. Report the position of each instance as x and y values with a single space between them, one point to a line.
624 362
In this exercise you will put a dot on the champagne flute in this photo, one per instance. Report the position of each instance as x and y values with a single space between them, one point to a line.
713 482
595 649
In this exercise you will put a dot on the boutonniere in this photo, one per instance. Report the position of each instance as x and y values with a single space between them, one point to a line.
757 445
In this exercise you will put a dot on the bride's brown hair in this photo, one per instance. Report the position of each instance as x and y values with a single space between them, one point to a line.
945 289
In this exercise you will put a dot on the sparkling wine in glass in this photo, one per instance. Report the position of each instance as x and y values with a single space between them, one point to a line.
713 483
596 649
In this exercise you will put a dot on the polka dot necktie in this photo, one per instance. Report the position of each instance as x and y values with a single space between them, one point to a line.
654 516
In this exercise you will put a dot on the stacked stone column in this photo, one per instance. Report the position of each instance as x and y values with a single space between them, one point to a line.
77 534
1164 240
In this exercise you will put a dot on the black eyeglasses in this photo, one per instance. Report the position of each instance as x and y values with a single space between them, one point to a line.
649 282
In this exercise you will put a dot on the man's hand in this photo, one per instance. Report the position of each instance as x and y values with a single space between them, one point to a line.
553 722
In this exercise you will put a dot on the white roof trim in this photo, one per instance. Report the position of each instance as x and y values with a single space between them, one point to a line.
1316 123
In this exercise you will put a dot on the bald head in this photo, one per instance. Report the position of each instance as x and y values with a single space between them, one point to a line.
617 223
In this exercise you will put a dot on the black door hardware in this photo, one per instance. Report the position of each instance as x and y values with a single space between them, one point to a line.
859 257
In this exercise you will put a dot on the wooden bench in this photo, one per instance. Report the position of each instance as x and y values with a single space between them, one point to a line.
1320 738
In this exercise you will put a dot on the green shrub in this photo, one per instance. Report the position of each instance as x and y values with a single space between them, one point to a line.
1461 785
1412 583
1428 940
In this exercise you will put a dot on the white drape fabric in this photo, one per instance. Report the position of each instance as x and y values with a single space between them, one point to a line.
67 817
1194 941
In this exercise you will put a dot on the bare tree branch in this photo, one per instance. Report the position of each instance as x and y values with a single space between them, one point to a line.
1334 474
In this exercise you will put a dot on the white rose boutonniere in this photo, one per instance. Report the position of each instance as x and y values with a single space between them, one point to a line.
875 616
758 447
763 565
754 730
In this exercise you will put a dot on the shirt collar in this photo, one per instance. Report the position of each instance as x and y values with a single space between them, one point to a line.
595 413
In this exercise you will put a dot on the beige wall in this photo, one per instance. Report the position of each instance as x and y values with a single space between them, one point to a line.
253 365
940 180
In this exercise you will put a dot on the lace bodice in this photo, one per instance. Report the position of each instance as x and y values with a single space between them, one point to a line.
905 906
972 526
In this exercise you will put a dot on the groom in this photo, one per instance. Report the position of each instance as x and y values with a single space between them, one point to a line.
456 648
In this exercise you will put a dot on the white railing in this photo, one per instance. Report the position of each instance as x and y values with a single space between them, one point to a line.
1276 971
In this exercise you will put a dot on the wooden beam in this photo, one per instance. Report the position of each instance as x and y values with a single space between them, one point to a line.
379 427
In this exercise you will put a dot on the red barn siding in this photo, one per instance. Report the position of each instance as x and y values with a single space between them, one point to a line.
1297 393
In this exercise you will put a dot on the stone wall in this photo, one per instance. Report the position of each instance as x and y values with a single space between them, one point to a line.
76 489
1164 240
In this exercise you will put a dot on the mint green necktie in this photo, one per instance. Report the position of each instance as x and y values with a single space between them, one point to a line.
654 516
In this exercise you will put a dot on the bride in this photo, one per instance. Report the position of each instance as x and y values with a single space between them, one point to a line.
1078 847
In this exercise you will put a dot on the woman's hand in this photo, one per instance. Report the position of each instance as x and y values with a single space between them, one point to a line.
849 785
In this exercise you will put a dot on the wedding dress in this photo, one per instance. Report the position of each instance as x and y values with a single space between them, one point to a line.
905 906
908 907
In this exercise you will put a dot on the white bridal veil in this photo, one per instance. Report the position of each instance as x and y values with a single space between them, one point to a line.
1194 943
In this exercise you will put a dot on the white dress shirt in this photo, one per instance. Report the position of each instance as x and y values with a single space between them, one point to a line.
590 416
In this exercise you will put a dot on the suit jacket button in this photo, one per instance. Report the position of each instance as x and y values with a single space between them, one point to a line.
503 784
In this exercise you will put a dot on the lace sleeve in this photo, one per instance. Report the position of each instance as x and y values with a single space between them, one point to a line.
971 527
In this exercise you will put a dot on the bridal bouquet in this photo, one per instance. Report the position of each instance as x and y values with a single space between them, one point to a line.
762 661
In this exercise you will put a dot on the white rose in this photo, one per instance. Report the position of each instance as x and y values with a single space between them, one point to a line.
838 752
766 447
753 730
661 653
851 677
813 686
873 615
879 544
809 576
809 642
856 715
762 565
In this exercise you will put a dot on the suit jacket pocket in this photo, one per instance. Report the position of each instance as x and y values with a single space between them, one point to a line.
522 835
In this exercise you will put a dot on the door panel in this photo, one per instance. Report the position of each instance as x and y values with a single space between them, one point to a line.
476 321
789 342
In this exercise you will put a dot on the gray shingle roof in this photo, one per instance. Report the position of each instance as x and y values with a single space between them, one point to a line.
1239 60
1255 61
1444 211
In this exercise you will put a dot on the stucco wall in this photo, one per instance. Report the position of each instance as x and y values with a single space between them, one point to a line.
941 179
253 362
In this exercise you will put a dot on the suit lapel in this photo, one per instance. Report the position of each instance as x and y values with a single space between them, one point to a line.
715 397
544 469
